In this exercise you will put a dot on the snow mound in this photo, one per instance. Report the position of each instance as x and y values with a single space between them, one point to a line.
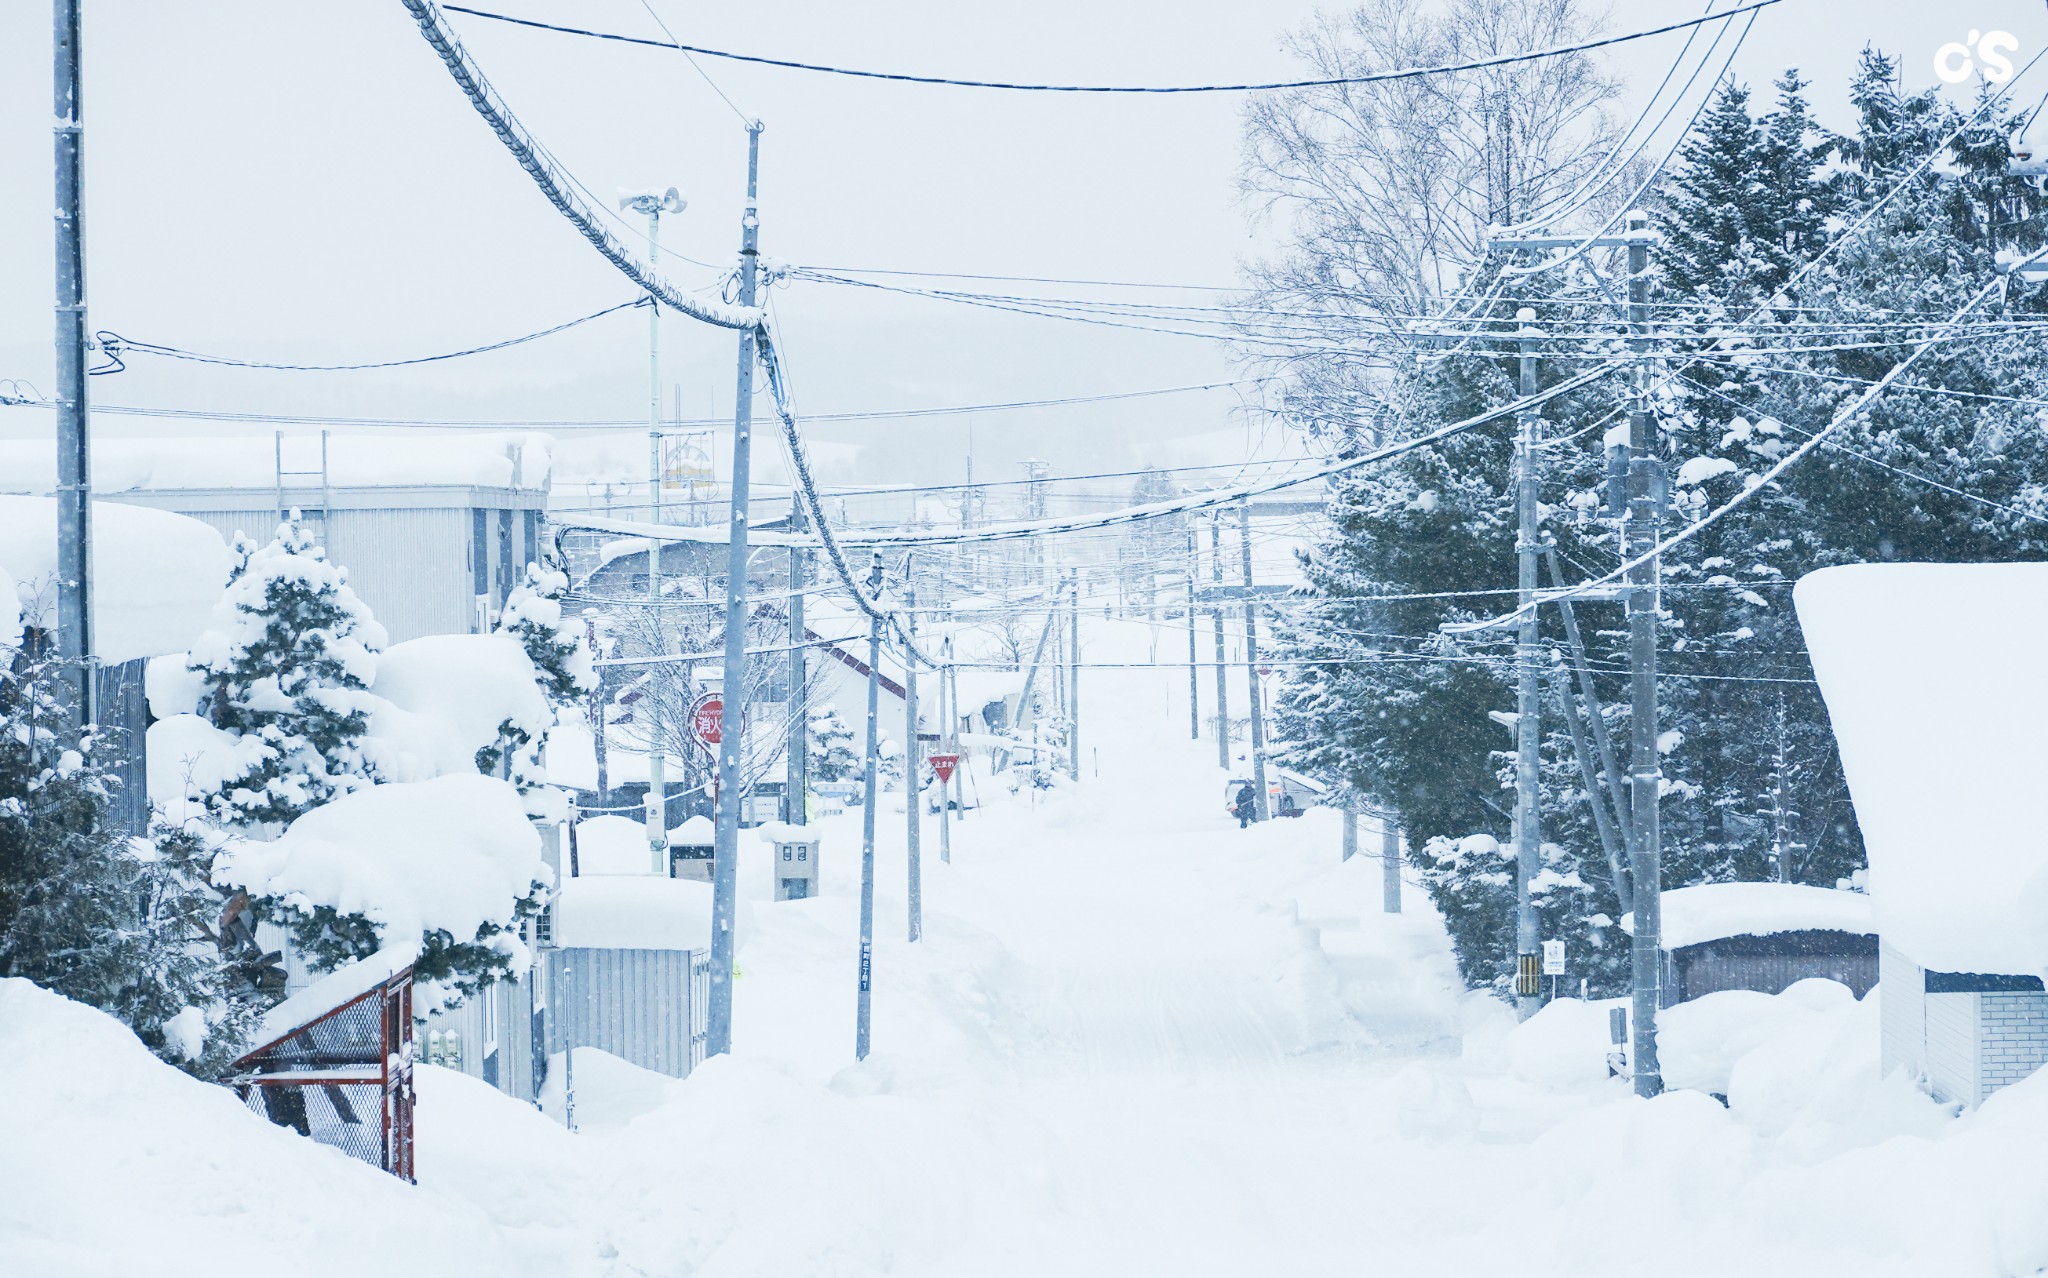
610 1092
156 575
1563 1045
450 854
612 845
120 1164
1700 1041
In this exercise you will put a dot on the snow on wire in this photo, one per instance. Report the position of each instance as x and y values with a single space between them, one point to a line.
1373 77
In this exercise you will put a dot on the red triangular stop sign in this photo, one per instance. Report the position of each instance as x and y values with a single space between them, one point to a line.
943 764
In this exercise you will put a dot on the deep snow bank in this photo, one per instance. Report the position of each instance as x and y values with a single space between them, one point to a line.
117 1164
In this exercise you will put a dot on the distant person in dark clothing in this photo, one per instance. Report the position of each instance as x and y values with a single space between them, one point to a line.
1243 805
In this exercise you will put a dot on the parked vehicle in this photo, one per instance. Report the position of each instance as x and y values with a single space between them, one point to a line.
1288 793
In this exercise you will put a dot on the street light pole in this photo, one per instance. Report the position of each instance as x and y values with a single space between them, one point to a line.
654 204
732 740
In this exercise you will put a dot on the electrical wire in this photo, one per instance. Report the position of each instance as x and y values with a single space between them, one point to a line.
1379 77
548 176
113 344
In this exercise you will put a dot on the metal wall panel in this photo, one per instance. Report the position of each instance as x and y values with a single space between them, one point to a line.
411 566
634 1004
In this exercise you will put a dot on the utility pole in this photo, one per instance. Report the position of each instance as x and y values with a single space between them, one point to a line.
732 738
953 730
1528 688
74 450
797 785
913 764
1390 864
869 798
1261 809
1350 847
1646 773
949 719
654 204
1194 676
1782 846
1216 616
1073 653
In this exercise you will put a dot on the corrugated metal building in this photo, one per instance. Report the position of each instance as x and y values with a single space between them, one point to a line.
434 531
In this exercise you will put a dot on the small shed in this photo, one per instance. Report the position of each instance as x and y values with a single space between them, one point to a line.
334 1062
1763 937
1933 681
630 971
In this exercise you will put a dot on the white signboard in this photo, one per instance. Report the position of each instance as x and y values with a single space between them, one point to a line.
1553 958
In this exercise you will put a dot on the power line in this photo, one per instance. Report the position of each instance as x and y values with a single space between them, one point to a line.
113 345
1379 77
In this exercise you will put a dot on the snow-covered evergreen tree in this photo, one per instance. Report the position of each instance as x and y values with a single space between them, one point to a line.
123 924
1938 469
286 668
563 667
833 757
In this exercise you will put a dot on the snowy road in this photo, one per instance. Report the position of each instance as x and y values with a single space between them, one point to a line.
1135 1040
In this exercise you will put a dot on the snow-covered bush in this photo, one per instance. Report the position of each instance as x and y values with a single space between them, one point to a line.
450 866
286 669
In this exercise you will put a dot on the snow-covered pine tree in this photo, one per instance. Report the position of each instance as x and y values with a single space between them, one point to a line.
554 642
120 923
286 668
833 757
563 666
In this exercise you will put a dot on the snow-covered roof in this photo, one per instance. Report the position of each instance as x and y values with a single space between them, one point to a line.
342 985
1934 678
626 912
608 845
693 832
1716 911
173 462
156 575
452 853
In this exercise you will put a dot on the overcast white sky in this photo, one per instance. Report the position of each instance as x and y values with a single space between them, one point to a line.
304 182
